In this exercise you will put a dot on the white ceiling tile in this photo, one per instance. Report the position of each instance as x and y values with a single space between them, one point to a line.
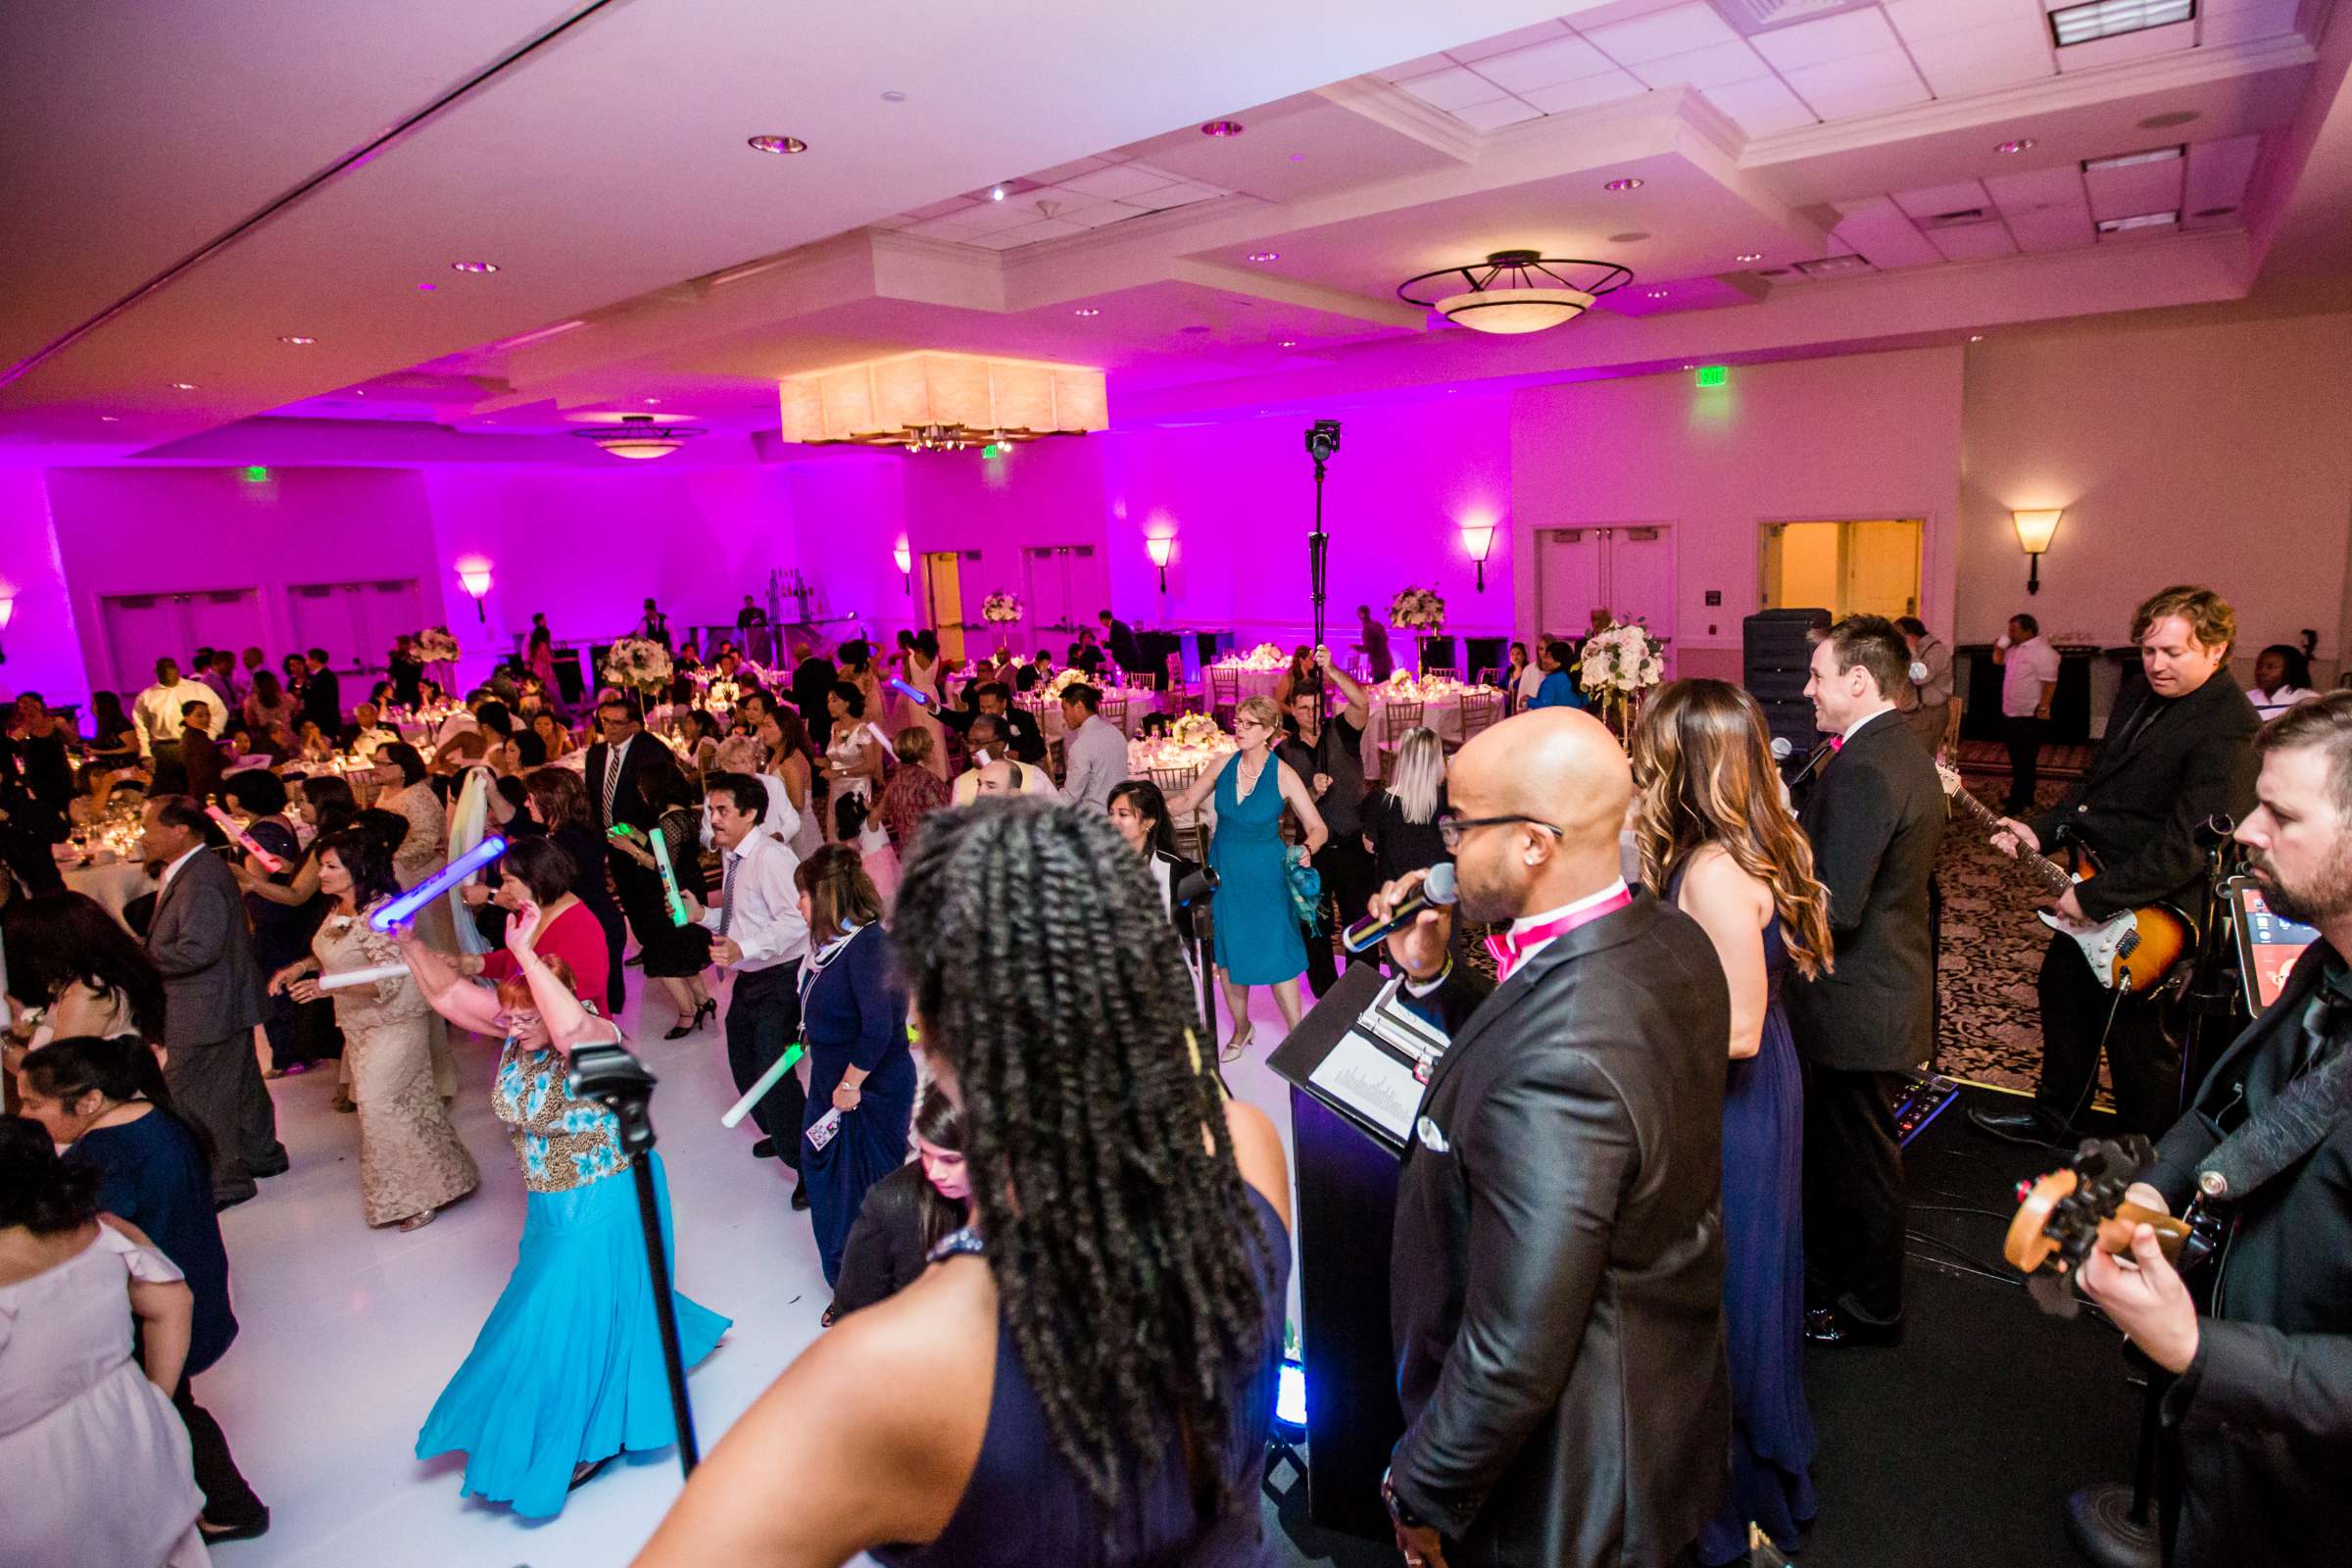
1869 100
1761 107
1101 214
1028 235
1975 47
1972 242
1673 31
1503 43
1833 78
2036 189
1061 171
1415 68
2143 45
2138 188
1839 38
954 204
1915 19
1499 114
1545 65
2217 173
1457 88
2255 18
1936 200
1877 228
1704 68
1571 95
2053 229
1118 181
940 229
1957 81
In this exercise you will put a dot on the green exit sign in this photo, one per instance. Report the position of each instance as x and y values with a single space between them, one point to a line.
257 475
1714 374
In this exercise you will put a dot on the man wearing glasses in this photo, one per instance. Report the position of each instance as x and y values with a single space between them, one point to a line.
1556 1280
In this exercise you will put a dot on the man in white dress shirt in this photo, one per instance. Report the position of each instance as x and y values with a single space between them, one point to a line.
1096 750
2029 680
157 711
758 932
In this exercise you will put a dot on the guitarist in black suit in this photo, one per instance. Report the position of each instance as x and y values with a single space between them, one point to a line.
1556 1294
2182 753
616 770
1876 817
2257 1428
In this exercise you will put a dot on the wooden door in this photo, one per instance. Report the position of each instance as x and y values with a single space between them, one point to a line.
943 599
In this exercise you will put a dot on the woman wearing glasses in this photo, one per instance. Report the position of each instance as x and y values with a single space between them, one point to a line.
1716 837
1257 940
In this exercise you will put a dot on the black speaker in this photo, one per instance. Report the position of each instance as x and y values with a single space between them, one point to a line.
1775 654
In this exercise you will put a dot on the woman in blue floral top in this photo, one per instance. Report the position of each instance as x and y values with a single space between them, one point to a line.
568 1372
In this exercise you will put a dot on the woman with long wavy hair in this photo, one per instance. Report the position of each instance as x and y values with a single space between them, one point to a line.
1086 1372
1718 841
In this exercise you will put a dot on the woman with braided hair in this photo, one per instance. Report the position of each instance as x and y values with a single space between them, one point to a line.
1086 1372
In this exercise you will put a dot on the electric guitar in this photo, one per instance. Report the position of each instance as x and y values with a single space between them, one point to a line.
2063 1216
2135 950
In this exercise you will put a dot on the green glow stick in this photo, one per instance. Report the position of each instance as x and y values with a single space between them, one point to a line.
767 1080
669 877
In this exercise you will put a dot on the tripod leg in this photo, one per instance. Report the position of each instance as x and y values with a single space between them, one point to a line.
665 1311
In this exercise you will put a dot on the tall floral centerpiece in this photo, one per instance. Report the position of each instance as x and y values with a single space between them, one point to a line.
1619 665
1421 612
437 651
1001 611
639 665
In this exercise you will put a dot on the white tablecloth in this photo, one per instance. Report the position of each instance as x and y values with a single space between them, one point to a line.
113 886
1440 712
1253 682
1140 700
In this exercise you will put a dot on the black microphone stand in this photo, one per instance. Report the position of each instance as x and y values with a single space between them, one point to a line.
618 1081
1322 440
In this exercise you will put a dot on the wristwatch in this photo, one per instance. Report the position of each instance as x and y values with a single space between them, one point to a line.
1400 1511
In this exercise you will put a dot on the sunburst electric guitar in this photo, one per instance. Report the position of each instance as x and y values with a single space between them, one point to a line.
2135 950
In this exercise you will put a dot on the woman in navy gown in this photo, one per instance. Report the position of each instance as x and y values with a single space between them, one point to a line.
1716 835
1257 940
853 1018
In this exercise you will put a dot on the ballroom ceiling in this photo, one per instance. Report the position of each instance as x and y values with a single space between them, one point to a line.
1813 175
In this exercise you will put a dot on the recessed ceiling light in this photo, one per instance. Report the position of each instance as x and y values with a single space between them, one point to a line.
183 387
2017 146
1086 310
2112 18
2153 154
779 145
1297 158
1265 256
110 418
473 267
1750 255
1628 184
2124 226
299 342
1222 128
359 392
1976 338
995 193
893 97
1289 343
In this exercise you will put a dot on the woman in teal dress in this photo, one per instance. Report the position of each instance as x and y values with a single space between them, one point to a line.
1257 937
568 1372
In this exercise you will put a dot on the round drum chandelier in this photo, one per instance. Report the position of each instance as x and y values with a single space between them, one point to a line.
1515 291
640 438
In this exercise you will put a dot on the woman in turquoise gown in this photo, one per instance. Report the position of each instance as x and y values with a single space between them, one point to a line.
1257 936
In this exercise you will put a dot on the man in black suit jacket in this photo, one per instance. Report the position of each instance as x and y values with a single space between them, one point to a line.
617 771
1876 817
1028 741
2257 1428
812 681
1555 1291
2182 753
323 695
1120 638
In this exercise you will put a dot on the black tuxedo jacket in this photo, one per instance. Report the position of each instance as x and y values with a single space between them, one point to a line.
323 700
1555 1293
1877 816
2260 1427
647 754
2140 804
1125 650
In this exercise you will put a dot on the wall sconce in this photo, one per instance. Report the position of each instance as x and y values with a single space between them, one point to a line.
903 557
7 612
1159 548
475 576
2034 531
1479 539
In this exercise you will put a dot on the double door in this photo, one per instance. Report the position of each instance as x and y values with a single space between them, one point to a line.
1628 571
353 622
141 628
1066 589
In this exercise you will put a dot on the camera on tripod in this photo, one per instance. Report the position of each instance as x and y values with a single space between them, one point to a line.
1323 439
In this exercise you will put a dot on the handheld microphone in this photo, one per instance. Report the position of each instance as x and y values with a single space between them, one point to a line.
1781 751
1436 891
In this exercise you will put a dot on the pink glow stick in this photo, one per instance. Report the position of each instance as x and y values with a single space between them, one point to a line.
244 840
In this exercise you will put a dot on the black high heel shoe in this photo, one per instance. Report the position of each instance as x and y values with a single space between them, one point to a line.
708 1009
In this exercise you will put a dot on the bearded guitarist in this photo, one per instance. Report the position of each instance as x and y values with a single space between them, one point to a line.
2179 753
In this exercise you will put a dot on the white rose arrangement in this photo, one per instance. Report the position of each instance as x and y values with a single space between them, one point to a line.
1195 729
1000 609
1622 662
435 646
1421 609
639 665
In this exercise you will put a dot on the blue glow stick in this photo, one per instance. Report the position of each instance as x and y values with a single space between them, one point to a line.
922 699
440 882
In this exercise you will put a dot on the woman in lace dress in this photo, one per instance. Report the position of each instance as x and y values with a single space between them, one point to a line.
410 1162
403 789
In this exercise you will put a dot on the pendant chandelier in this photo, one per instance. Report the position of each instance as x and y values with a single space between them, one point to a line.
1515 291
640 438
934 402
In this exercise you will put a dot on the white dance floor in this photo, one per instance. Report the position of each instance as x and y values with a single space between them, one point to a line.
347 1334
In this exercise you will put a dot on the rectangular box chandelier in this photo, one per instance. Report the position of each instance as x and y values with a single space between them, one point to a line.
929 401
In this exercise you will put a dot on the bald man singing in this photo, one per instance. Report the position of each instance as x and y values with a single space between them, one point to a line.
1555 1289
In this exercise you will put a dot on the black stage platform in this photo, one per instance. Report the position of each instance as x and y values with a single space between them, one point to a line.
1958 1448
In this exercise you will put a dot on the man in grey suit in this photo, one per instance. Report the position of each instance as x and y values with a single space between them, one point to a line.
199 942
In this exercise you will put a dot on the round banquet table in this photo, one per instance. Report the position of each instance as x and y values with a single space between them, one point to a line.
113 886
1140 700
1441 711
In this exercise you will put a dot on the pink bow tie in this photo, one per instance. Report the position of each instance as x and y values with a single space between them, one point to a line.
1836 742
1510 944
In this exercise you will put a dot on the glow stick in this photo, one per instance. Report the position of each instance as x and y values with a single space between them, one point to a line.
922 699
669 877
440 882
344 979
758 1091
244 840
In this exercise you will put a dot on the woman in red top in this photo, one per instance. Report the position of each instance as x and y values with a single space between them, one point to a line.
540 871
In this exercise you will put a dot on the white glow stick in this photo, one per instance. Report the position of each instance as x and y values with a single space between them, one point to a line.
344 979
758 1091
432 886
244 840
